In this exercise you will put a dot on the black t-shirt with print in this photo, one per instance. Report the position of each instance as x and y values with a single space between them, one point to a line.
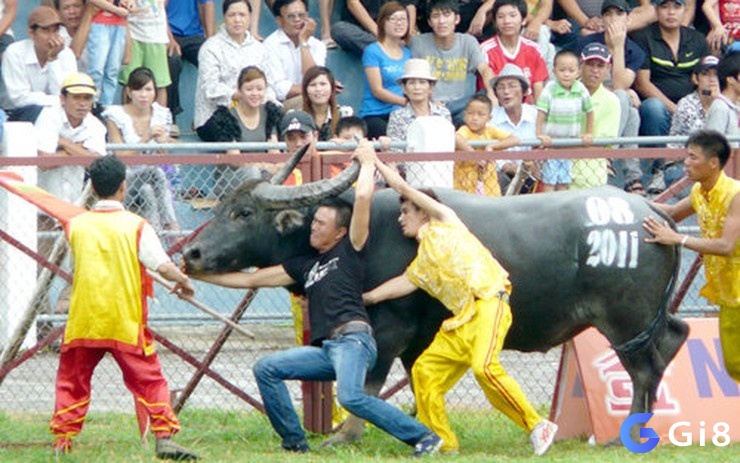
333 285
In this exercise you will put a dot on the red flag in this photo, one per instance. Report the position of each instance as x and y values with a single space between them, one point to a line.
55 207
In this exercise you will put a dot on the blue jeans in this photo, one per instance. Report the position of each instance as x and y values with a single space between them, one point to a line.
105 45
655 119
347 359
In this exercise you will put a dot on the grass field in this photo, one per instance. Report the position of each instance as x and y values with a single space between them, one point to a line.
247 437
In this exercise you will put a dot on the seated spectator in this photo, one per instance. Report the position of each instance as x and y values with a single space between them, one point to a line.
294 45
724 19
221 59
249 119
7 17
190 22
231 49
691 110
319 94
479 176
105 47
34 68
516 117
142 120
452 56
508 46
627 59
69 129
595 64
723 114
359 26
384 64
560 111
665 77
417 83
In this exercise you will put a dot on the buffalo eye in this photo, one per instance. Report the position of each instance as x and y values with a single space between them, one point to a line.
240 214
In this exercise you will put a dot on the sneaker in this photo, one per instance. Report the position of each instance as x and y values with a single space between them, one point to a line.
428 445
301 447
174 131
62 446
166 449
542 436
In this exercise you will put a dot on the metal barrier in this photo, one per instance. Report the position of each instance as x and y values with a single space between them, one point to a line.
205 365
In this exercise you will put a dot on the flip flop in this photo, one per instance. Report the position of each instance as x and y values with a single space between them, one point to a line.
329 43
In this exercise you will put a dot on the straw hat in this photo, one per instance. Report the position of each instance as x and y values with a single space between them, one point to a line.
416 68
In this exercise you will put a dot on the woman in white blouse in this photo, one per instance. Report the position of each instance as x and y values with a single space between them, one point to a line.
141 120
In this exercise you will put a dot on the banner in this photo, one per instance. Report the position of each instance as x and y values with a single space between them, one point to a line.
593 392
55 207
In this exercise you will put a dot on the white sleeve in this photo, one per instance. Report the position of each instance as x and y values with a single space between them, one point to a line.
46 129
95 141
18 86
151 252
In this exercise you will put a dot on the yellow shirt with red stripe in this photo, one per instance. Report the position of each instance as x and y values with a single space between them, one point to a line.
108 307
453 266
723 272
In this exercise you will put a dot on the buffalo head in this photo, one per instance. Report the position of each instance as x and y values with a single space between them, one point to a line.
261 223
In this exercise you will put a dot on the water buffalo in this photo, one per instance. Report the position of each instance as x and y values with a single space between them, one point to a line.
576 259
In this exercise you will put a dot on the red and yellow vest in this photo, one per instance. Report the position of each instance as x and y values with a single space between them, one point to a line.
108 307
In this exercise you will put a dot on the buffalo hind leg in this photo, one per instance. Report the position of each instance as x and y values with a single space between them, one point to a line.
646 365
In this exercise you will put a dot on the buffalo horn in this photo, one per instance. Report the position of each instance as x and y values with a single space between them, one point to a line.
288 167
272 196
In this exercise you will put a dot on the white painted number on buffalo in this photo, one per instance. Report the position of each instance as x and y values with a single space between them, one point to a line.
612 240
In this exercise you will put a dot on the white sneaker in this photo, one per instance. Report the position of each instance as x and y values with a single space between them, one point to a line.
542 436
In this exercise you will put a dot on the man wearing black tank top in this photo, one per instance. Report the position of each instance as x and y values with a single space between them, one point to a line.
342 345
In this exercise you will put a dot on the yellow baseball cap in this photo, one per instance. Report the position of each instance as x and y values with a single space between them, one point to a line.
78 83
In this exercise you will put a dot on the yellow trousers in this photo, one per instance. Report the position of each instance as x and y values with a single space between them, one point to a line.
729 336
476 345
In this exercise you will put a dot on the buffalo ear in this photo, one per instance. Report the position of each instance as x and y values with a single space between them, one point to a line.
288 221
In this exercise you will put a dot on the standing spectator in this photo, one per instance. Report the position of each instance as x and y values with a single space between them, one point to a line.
295 47
595 64
514 116
221 59
384 65
452 56
508 46
69 129
190 22
112 249
479 176
76 20
319 91
249 119
105 46
34 68
453 266
560 110
8 12
723 114
342 345
147 25
715 199
143 120
360 24
691 110
665 77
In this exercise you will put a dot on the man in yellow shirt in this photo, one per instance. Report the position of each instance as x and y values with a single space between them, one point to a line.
453 266
715 199
112 248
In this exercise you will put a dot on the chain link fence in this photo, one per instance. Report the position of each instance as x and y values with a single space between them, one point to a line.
207 365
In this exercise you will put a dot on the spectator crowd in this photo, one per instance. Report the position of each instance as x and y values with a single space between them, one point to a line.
502 71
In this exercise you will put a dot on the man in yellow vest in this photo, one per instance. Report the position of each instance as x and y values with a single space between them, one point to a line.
112 250
715 199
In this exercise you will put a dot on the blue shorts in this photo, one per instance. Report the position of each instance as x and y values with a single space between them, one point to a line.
557 171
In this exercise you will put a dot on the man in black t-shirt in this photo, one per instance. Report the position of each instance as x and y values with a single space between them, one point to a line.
342 345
